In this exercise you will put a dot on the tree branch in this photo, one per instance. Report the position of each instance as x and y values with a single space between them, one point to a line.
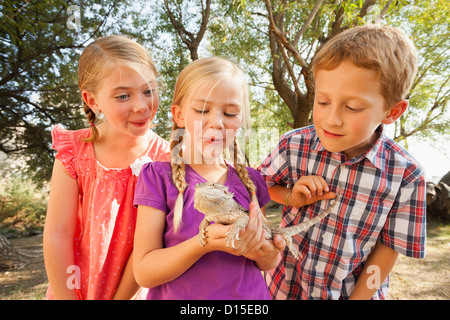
282 37
307 22
194 41
383 12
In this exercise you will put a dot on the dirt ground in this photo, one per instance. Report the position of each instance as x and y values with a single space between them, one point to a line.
423 279
27 282
411 279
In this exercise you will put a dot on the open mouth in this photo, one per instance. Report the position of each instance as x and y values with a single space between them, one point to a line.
212 139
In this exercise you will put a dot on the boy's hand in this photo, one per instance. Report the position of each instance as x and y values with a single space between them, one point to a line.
309 189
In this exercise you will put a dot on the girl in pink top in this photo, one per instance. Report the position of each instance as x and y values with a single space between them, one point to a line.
89 230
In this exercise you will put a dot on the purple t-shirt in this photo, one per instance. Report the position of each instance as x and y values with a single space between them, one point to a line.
217 275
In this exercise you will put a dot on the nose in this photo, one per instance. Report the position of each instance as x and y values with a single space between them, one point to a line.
140 104
215 119
333 116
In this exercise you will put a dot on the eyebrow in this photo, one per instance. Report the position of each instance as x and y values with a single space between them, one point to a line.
126 88
120 88
349 98
231 104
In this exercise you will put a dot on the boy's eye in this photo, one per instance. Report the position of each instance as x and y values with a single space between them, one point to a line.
323 103
201 111
123 96
352 109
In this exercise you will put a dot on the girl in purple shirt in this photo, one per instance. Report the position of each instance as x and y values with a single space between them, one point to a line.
209 107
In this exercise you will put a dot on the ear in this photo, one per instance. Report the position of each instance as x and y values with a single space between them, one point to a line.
396 111
178 116
89 99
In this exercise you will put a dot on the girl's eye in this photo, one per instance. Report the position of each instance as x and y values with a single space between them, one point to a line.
231 115
323 103
150 92
201 111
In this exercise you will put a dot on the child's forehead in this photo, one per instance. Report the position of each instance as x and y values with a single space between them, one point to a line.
346 70
349 82
208 91
120 72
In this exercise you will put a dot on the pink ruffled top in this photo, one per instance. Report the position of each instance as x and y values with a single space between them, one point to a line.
106 220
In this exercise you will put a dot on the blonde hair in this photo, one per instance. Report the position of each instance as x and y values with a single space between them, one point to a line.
386 50
100 57
197 74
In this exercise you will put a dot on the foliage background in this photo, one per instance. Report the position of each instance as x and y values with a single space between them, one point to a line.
272 40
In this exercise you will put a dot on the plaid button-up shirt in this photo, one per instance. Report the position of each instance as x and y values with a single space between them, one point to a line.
383 200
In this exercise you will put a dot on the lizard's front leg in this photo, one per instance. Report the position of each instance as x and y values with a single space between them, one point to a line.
237 226
202 232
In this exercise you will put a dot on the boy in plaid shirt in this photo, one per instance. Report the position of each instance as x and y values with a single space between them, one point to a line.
362 77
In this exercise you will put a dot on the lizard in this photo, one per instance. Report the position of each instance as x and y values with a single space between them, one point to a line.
217 204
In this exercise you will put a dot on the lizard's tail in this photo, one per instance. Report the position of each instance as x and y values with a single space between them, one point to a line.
305 225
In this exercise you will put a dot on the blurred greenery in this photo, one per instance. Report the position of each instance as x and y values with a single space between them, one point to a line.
22 206
42 40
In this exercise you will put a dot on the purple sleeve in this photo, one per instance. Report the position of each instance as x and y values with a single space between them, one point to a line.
151 186
261 188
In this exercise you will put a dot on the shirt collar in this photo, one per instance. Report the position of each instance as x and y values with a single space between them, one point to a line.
376 153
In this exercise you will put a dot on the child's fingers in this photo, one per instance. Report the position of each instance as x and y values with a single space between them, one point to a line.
323 184
311 185
279 242
305 190
318 185
218 231
328 196
253 235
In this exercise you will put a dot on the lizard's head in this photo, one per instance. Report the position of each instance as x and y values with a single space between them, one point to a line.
211 198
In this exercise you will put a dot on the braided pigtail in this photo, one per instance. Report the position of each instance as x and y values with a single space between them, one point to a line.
91 119
178 173
239 165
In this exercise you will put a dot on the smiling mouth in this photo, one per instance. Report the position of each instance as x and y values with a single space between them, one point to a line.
138 123
332 135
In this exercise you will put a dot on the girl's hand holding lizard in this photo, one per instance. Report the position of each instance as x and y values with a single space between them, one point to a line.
252 244
251 238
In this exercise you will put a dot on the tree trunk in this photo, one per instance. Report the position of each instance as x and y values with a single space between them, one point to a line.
299 100
303 112
9 256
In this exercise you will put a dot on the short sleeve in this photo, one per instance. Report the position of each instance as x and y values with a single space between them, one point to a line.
405 227
275 168
159 149
151 186
62 143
